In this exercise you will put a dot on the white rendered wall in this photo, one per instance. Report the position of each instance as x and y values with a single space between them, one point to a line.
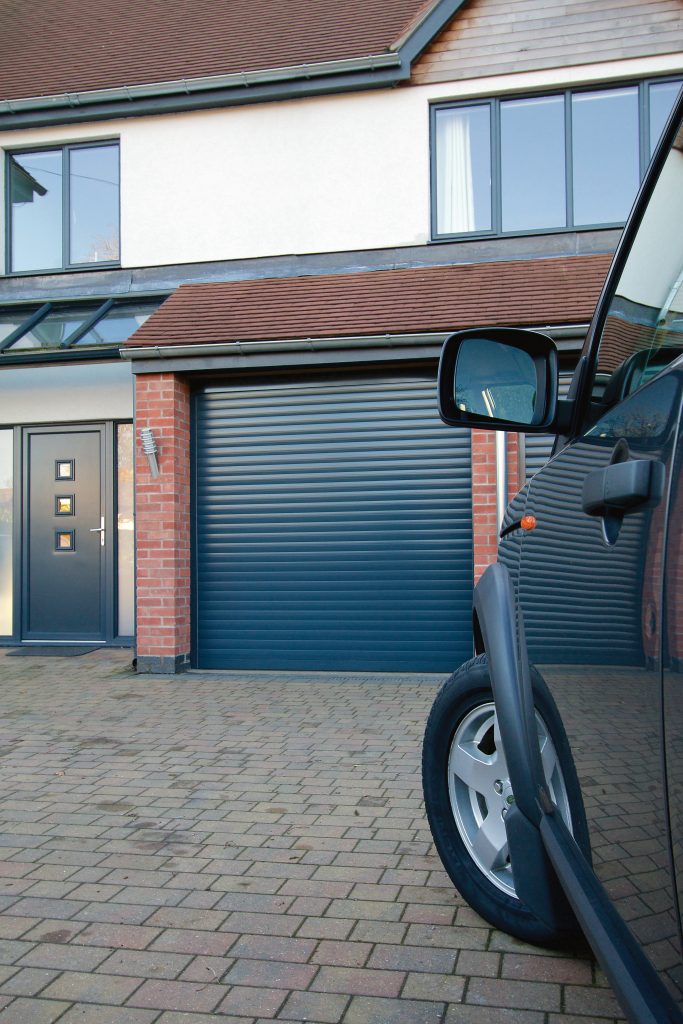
329 174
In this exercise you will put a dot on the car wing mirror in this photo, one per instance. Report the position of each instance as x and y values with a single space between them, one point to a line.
501 378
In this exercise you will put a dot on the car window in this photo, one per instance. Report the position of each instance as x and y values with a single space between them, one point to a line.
643 329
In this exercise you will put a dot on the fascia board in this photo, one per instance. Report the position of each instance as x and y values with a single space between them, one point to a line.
421 34
379 71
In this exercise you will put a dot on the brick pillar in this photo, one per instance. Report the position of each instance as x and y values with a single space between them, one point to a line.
484 521
162 525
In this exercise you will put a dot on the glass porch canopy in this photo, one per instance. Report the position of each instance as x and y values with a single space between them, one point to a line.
58 327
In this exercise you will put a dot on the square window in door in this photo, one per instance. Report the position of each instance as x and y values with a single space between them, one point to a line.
65 505
65 540
65 469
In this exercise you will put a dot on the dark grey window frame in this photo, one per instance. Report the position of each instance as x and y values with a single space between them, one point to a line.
66 150
494 105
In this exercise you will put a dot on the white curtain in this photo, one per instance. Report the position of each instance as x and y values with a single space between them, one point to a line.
454 191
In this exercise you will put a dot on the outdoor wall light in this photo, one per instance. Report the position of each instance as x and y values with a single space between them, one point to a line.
149 447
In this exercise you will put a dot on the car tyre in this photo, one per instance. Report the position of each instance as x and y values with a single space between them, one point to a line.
467 793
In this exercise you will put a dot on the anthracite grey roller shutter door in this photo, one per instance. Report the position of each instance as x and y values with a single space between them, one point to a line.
332 528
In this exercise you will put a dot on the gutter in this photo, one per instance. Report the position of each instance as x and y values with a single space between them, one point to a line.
289 345
209 83
567 333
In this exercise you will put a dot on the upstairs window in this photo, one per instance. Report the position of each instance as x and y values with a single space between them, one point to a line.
562 161
63 208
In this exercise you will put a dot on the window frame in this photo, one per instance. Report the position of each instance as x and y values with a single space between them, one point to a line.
494 104
65 149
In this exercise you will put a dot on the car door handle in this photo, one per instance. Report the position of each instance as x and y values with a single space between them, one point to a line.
622 486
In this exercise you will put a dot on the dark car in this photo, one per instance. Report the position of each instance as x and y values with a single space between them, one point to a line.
553 760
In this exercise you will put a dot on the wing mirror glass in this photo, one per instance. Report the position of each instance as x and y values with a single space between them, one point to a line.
501 378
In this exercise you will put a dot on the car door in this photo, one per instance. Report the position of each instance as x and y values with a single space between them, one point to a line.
591 574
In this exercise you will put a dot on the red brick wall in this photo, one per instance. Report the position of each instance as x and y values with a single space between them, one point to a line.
484 519
162 505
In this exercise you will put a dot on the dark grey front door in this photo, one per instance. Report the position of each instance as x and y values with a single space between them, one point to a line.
65 541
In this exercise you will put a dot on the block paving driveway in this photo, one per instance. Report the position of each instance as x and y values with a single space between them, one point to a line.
240 848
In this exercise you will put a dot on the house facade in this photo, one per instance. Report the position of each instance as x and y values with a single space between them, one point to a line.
229 267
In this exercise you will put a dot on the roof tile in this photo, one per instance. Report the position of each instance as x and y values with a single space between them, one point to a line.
51 48
545 291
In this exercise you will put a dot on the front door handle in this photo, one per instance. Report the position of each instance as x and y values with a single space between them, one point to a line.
622 487
99 529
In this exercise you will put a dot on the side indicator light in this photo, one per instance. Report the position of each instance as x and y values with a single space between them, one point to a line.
528 523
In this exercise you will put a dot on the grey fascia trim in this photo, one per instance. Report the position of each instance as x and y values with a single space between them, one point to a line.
288 345
421 35
428 339
209 83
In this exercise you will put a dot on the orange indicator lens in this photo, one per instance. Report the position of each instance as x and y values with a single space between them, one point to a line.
528 522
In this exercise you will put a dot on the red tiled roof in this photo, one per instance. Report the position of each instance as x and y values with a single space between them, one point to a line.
49 47
545 291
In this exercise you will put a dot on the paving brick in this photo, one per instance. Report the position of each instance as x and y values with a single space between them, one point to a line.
13 927
579 999
270 974
178 995
206 969
11 950
253 1002
117 936
358 981
32 1011
187 917
435 987
322 1007
262 924
325 928
60 957
413 958
176 940
474 962
342 954
84 1013
91 988
28 981
535 968
462 1014
527 995
363 1010
114 913
272 947
141 964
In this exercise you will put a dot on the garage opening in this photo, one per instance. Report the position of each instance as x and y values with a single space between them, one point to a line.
332 528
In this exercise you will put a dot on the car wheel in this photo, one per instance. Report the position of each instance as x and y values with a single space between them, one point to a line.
467 794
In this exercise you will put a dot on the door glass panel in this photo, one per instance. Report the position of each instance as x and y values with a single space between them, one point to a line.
125 525
533 163
94 206
35 183
643 329
606 169
6 505
463 169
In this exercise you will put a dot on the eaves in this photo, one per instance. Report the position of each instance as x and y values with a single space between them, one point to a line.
383 70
